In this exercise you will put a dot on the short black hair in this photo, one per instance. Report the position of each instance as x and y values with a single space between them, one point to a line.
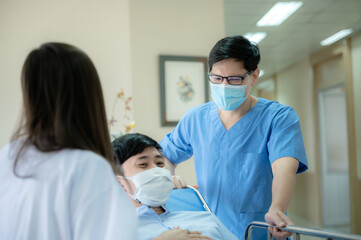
237 47
129 145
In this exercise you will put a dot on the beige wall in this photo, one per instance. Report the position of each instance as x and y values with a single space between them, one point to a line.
355 175
356 72
100 28
184 28
295 88
115 34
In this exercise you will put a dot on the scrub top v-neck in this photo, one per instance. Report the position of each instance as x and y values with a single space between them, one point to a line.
233 167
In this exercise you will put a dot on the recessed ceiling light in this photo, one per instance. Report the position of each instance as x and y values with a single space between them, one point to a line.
335 37
279 13
256 37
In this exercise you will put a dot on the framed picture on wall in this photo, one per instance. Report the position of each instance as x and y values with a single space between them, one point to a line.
183 85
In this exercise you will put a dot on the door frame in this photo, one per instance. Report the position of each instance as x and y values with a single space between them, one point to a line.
321 93
342 48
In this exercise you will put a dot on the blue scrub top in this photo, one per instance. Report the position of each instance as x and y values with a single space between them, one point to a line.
233 168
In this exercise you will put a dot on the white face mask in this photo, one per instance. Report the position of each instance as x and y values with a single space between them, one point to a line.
152 187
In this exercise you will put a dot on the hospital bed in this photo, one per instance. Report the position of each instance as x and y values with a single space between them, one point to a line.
189 199
298 231
186 199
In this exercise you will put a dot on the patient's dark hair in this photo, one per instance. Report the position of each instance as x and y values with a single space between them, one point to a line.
129 145
238 48
63 103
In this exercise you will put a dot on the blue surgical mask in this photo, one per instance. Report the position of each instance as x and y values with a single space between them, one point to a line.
228 97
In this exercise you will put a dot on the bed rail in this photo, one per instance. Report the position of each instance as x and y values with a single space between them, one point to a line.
297 231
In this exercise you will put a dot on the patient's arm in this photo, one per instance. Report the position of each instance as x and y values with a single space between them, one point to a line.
284 177
180 234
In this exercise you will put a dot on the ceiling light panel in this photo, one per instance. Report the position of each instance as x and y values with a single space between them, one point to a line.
335 37
279 13
256 37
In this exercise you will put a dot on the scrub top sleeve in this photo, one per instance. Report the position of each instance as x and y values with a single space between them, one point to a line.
286 138
176 145
101 209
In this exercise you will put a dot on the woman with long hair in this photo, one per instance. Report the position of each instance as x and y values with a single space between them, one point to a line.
56 178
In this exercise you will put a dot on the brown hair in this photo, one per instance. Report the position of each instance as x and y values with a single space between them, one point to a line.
63 102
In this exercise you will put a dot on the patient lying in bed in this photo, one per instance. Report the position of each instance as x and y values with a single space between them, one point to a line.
139 164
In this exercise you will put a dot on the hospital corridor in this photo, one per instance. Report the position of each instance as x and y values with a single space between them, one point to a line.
226 122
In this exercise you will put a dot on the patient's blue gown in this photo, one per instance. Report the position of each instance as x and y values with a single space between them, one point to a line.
233 168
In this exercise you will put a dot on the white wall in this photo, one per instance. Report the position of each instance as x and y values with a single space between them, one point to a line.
100 28
356 74
167 27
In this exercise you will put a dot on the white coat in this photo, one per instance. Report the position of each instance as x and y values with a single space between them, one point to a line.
68 194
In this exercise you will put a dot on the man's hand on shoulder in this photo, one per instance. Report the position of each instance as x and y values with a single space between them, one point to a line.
178 182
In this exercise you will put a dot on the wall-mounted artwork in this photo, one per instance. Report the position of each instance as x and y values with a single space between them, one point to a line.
183 85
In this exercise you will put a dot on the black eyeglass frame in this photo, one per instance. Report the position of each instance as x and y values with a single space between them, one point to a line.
228 79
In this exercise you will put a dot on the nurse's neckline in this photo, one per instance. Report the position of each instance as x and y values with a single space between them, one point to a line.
249 108
250 105
232 118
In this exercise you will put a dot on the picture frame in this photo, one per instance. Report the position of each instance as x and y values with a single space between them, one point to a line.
183 85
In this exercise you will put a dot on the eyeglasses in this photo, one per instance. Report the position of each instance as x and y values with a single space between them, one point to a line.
232 80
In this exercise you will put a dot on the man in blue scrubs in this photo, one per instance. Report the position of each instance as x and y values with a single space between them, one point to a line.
247 150
140 165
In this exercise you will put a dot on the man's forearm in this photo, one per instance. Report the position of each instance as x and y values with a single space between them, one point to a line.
284 178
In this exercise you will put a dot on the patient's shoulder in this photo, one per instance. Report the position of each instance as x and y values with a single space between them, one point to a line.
199 215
